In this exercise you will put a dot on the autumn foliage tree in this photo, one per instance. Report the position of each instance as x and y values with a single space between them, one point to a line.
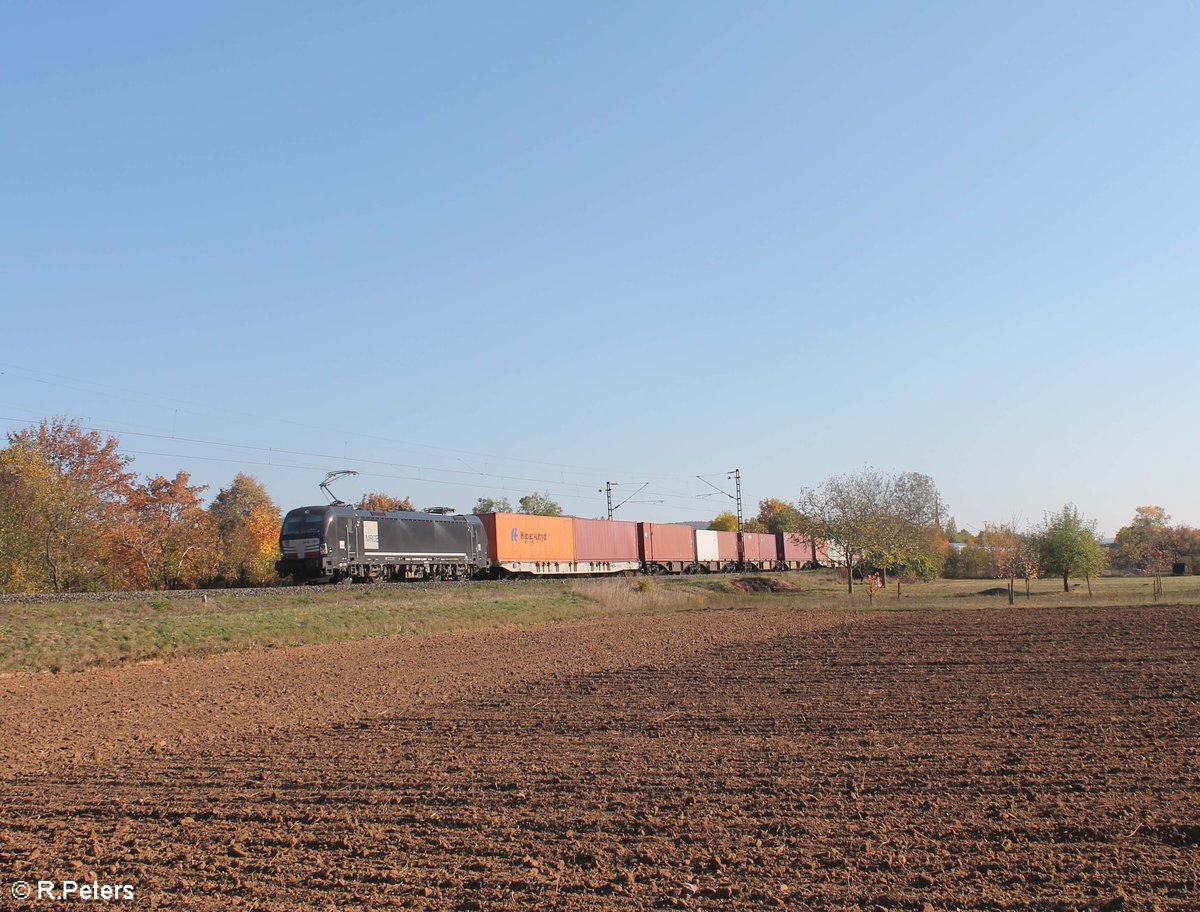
1150 543
724 522
74 517
25 477
64 493
167 537
1006 553
778 515
377 500
247 525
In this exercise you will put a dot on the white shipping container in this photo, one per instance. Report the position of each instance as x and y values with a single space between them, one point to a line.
836 554
706 546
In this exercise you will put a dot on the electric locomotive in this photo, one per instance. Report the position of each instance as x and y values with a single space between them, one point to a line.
334 543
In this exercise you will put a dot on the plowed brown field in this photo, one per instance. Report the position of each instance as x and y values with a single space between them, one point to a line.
1014 759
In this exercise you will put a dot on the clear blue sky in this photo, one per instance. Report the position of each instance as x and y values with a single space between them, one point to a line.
571 243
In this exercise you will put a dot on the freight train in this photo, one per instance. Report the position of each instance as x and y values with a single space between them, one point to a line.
338 543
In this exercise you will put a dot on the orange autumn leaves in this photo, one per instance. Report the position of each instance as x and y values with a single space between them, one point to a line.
73 517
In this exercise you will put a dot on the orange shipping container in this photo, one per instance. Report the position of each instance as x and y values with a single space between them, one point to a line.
516 537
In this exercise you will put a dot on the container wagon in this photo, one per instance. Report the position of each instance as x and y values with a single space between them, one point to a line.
716 552
521 545
760 551
666 548
606 546
800 552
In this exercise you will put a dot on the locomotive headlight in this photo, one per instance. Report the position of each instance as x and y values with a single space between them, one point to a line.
324 548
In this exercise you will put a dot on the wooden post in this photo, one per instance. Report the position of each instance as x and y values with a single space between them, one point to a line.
1088 577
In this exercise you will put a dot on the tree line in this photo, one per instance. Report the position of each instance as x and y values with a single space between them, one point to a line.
536 504
74 518
897 525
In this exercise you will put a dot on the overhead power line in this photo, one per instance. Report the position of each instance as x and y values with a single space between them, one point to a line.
502 487
670 499
207 411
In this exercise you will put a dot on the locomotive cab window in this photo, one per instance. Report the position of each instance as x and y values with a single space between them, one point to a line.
303 523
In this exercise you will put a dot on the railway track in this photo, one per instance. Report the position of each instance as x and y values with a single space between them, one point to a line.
57 598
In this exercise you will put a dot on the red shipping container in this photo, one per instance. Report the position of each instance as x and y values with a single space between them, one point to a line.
666 542
605 540
727 548
760 546
797 547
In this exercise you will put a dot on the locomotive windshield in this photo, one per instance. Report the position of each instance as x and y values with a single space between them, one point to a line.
297 523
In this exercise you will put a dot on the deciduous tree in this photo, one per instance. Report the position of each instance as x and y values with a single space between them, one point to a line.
247 522
167 540
377 500
778 515
539 504
73 487
908 537
25 479
1005 553
1068 546
492 505
724 522
1145 544
846 510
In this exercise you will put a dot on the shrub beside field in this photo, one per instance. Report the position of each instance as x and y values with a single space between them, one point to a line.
70 636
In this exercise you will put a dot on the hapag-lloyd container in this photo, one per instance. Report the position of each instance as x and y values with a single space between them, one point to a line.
517 538
605 540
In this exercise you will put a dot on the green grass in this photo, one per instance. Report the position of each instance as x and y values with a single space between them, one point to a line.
71 636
